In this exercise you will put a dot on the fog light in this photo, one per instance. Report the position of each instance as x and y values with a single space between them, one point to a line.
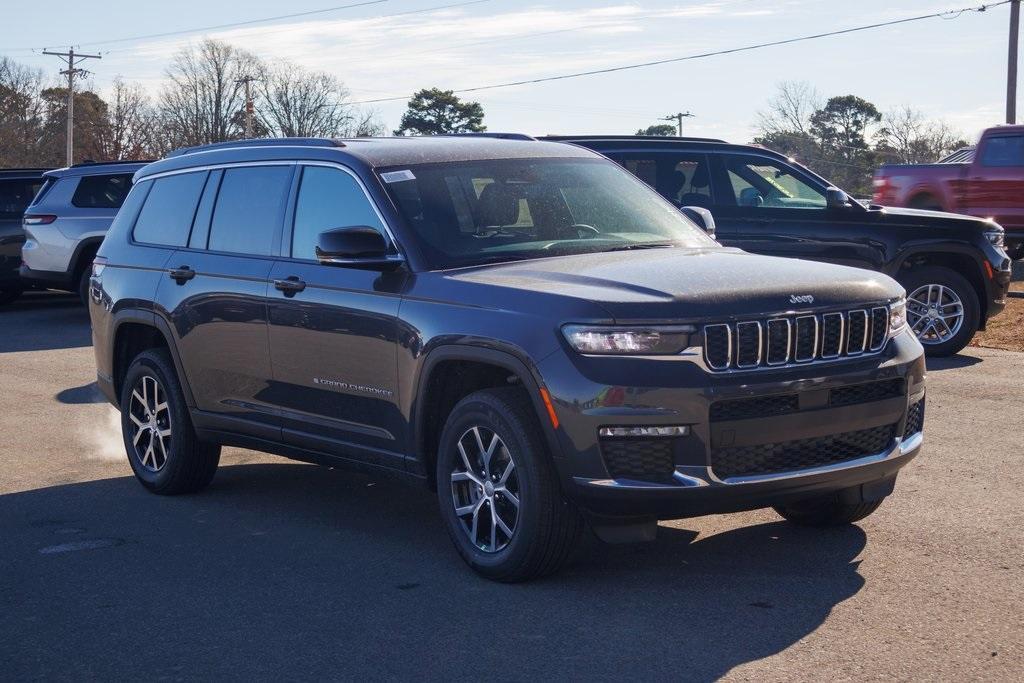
620 432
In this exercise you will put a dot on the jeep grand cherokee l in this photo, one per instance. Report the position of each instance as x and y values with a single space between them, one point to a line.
17 188
953 267
521 325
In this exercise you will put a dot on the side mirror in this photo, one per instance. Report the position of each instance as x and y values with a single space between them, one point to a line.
836 198
702 217
355 246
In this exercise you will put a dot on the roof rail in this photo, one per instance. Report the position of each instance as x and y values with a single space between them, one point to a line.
500 136
90 162
258 142
670 138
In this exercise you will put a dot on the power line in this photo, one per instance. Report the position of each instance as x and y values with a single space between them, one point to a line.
70 58
745 48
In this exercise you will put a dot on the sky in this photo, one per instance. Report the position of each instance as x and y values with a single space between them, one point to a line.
948 68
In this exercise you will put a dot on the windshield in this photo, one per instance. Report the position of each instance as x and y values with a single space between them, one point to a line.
467 213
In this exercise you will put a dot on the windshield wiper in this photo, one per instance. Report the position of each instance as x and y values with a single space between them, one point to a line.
642 245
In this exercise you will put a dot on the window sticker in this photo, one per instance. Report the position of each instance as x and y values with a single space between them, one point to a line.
397 176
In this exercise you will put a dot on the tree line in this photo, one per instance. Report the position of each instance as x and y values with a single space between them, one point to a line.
202 100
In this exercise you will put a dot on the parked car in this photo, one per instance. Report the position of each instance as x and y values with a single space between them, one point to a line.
67 220
987 182
953 267
522 325
17 188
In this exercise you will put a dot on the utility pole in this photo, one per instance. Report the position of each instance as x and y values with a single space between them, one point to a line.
247 80
70 58
1011 67
678 118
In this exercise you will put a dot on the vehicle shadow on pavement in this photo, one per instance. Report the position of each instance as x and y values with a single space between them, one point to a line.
87 393
952 362
292 571
44 321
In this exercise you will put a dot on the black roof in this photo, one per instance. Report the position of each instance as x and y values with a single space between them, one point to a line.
656 138
22 172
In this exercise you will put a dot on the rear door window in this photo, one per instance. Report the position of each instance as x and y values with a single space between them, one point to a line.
16 195
102 191
167 215
682 178
1002 151
250 209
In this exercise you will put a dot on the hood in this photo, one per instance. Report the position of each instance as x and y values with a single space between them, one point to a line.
678 284
897 215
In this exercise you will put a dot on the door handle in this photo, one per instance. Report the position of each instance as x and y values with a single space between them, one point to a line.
290 285
182 274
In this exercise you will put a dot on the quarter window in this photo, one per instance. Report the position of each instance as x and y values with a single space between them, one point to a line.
1005 150
249 209
328 199
102 191
166 217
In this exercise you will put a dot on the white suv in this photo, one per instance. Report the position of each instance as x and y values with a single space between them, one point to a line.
67 220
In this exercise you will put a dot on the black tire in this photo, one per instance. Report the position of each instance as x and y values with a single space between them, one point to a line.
83 285
939 275
925 201
9 294
547 526
827 511
188 464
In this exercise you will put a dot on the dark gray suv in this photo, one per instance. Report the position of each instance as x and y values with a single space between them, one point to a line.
523 326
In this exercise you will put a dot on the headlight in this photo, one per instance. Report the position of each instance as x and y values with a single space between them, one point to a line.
641 341
897 316
996 235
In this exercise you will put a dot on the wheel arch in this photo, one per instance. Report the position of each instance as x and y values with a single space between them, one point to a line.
85 248
958 258
135 330
504 362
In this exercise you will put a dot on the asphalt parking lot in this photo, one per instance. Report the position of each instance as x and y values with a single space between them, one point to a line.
285 570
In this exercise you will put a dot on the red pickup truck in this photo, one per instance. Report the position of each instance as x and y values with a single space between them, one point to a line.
987 182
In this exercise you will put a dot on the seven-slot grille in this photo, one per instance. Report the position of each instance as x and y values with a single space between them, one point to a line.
782 340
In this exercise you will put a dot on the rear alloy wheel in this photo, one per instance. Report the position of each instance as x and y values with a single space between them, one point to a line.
942 309
161 443
498 491
84 285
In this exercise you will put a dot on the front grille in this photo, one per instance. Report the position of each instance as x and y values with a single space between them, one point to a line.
915 419
644 459
866 393
761 406
778 341
801 454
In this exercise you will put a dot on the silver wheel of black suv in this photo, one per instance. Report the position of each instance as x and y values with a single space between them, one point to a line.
161 444
498 491
943 310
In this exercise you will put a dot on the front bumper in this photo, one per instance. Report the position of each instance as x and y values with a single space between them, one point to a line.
642 392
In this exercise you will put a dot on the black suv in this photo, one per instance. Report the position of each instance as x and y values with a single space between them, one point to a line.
522 325
17 188
953 267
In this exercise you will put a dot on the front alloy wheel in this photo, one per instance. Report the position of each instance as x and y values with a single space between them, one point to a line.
150 415
935 313
485 489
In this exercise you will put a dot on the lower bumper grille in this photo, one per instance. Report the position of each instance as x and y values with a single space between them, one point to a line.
801 454
643 459
915 419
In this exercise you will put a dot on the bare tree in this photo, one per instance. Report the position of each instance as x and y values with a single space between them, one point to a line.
202 97
907 137
790 110
22 113
294 102
132 123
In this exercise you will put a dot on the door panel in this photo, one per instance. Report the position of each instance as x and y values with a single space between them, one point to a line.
333 350
995 183
219 316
